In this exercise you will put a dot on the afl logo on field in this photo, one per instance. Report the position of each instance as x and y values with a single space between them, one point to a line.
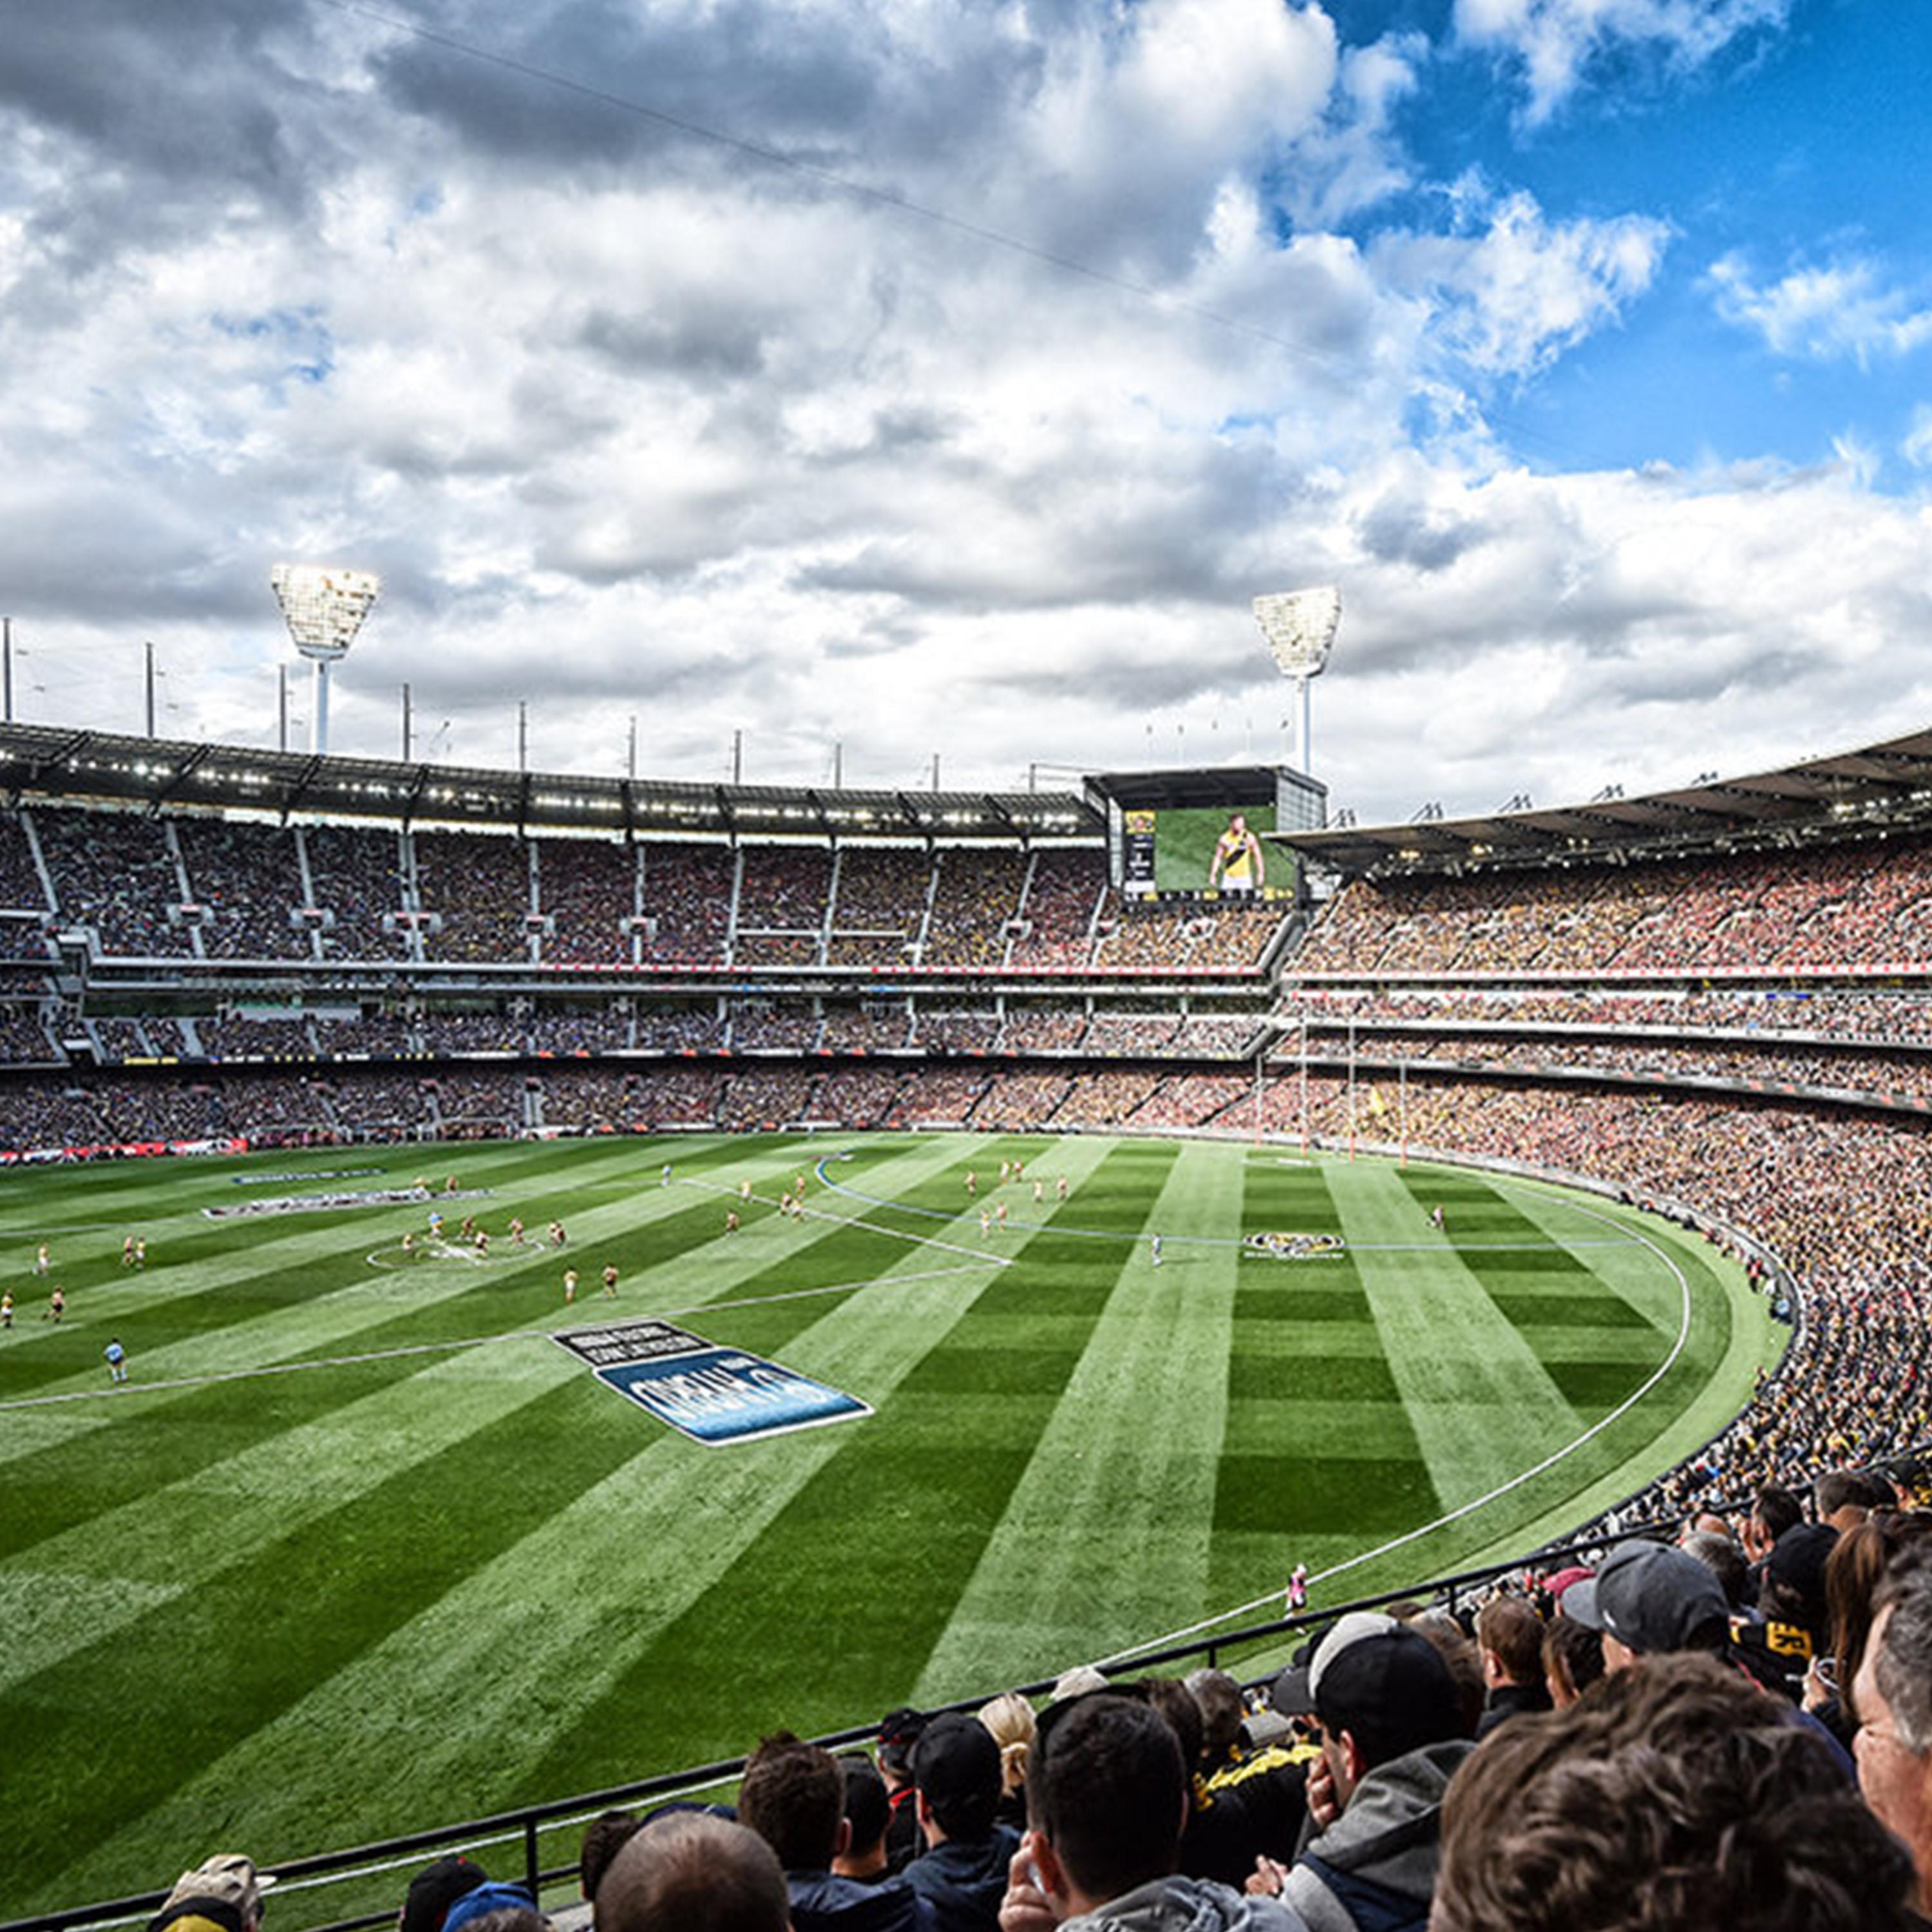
1285 1247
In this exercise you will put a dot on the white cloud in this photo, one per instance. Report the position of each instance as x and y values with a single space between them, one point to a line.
1556 42
1520 288
639 425
1846 311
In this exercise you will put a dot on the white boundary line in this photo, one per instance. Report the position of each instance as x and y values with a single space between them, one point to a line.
1549 1462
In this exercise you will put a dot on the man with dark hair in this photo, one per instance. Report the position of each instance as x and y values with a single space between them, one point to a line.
603 1837
1265 1785
690 1872
1106 1793
1674 1795
1844 1497
1393 1733
962 1873
793 1796
1509 1634
898 1731
1892 1694
868 1811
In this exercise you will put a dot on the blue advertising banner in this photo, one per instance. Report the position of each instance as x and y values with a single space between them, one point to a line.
711 1394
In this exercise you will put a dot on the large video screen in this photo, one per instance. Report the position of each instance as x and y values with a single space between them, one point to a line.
1190 851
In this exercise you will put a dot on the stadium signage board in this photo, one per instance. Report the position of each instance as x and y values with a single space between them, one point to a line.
714 1396
1281 1246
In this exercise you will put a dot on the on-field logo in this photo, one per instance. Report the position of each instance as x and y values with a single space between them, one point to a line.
1280 1246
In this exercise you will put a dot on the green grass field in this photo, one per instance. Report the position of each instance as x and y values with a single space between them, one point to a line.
359 1550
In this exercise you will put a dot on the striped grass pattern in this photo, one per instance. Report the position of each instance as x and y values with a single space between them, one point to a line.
358 1549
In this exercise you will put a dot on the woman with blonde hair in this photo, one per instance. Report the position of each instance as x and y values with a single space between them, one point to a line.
1010 1719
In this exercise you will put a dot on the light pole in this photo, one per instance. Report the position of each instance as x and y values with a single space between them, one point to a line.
323 607
1299 628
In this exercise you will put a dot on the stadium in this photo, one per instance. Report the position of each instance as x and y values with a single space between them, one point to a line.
790 1240
1496 1193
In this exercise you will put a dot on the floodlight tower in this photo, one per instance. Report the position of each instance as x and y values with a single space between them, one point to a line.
1299 627
324 608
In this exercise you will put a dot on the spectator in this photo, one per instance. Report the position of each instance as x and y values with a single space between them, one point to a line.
868 1812
222 1894
1648 1599
1892 1695
603 1837
1725 1560
689 1872
898 1731
1392 1734
1572 1660
436 1889
1844 1497
1010 1719
1510 1635
492 1907
1675 1796
962 1873
1106 1791
1252 1800
794 1797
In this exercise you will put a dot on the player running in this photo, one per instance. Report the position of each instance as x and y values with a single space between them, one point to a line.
117 1360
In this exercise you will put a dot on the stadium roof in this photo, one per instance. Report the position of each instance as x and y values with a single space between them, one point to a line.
1852 794
1224 787
52 763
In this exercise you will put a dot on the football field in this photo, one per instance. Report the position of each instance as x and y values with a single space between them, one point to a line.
359 1549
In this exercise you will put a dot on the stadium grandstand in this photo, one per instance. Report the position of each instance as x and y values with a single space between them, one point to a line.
1714 1004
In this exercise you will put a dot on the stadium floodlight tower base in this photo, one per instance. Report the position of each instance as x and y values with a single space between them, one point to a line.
323 607
1299 627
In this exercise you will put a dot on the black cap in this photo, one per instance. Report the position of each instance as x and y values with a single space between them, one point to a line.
956 1766
436 1887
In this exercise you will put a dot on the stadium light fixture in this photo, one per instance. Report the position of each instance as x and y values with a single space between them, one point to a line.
323 606
1299 628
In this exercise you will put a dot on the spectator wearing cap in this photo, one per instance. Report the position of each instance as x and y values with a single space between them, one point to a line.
898 1731
222 1894
1650 1600
1393 1733
1892 1696
792 1796
1677 1795
436 1889
962 1873
492 1907
688 1871
1106 1793
1796 1625
1509 1633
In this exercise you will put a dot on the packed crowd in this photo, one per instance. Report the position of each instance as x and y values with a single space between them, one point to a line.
1868 903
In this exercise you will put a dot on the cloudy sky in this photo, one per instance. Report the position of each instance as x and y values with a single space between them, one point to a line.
884 379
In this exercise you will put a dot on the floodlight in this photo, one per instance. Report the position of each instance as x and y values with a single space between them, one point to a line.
1299 628
323 607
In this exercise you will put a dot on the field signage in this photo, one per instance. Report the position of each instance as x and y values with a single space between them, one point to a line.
711 1394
